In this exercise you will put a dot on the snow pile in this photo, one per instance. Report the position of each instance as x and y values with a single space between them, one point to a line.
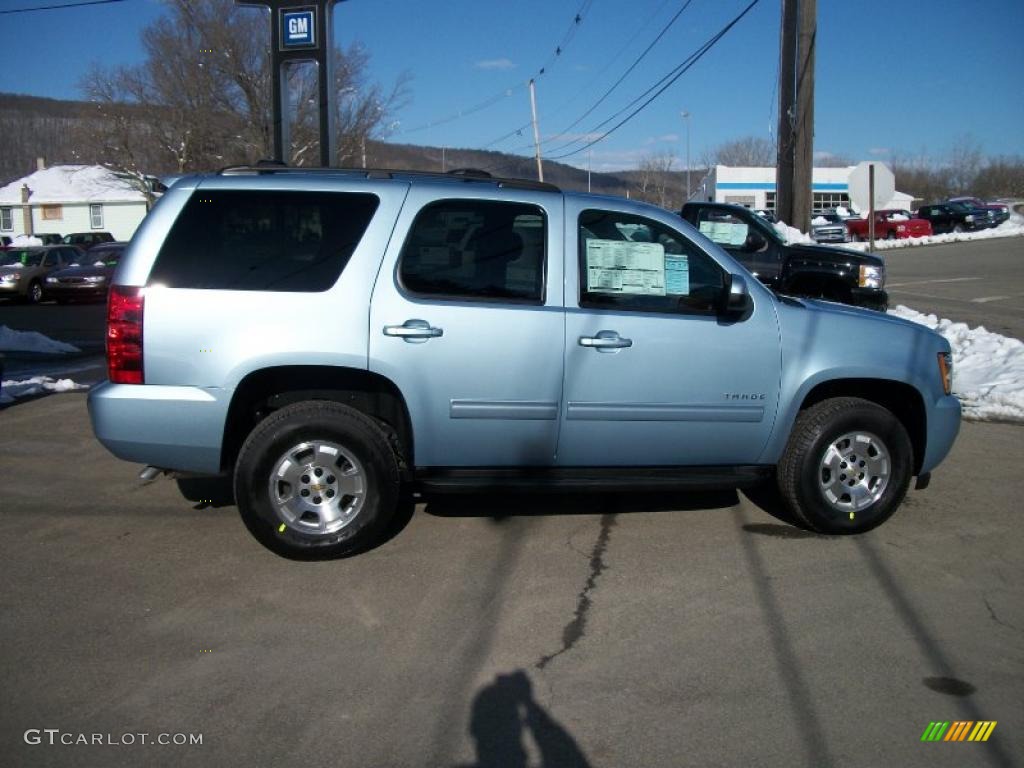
792 235
25 241
31 341
899 217
73 184
37 385
1012 227
818 221
988 369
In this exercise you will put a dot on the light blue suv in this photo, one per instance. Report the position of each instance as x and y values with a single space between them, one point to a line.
333 337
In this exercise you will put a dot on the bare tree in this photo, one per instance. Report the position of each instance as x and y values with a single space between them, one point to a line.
656 178
750 151
202 97
965 160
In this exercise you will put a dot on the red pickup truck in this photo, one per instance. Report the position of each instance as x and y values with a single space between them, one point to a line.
889 225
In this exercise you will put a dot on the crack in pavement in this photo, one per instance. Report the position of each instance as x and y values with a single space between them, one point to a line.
575 629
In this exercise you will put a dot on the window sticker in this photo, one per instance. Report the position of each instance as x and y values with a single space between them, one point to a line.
724 232
617 266
677 275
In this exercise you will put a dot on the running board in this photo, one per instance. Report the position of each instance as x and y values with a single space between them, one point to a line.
526 479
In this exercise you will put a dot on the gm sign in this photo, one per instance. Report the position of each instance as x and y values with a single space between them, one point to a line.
298 28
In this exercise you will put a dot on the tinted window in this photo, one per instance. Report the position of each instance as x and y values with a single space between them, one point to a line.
263 241
476 249
629 262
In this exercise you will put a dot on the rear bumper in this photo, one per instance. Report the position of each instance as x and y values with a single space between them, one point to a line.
943 427
177 428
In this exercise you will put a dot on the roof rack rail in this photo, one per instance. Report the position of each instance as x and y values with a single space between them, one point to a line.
460 175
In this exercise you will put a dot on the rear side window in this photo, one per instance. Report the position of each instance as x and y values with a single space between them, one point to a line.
263 241
476 249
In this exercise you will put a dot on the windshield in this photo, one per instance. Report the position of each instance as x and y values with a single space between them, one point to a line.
98 258
21 259
959 207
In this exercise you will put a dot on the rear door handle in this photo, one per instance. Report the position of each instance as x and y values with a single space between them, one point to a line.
413 331
605 340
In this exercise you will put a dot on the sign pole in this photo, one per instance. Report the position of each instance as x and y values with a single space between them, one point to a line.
871 208
300 31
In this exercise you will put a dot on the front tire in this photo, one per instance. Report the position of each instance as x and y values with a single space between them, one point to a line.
35 292
317 480
958 228
847 466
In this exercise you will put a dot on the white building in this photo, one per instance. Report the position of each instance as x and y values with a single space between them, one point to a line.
72 198
755 188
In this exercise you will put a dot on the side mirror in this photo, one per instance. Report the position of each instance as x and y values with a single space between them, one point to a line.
755 242
735 296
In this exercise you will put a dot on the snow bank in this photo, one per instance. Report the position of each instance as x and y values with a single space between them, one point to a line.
31 341
988 369
25 241
1012 227
37 385
792 235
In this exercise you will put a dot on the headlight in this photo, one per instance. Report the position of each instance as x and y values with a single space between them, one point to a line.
968 217
871 277
946 371
9 278
95 279
51 279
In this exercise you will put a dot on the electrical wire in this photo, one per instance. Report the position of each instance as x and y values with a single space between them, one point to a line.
507 92
671 78
60 6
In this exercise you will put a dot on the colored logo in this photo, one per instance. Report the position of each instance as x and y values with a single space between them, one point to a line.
298 29
959 730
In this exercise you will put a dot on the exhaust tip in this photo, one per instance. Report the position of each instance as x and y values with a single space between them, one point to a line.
149 474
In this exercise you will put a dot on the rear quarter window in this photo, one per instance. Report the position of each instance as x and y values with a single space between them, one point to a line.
263 240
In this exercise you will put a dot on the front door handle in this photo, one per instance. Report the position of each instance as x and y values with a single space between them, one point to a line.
605 340
413 331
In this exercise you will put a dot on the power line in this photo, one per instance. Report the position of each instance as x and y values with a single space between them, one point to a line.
624 75
561 108
672 78
507 92
61 6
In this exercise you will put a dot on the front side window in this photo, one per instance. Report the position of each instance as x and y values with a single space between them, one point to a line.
630 262
96 216
6 220
263 240
481 250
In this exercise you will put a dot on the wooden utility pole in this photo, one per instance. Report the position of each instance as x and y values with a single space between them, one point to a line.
536 131
794 199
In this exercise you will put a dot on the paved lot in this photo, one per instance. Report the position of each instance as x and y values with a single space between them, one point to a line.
979 282
585 630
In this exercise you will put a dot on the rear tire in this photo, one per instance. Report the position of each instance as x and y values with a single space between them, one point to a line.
847 466
317 480
890 235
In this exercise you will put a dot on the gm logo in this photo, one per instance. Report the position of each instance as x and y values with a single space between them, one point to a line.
298 29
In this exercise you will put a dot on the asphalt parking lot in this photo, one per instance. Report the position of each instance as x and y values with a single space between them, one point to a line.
583 630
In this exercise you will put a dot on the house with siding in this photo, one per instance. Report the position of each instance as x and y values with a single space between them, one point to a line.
72 198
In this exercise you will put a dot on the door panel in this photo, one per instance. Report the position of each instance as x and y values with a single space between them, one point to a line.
688 389
482 378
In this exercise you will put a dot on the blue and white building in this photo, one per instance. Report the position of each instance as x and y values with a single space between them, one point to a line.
755 188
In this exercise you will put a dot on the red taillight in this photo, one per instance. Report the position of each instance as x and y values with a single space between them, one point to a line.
124 335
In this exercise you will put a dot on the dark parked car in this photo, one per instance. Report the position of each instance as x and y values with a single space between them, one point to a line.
1000 211
24 270
953 217
86 240
4 242
88 277
815 271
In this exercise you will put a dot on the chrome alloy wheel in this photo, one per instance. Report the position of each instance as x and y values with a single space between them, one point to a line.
854 471
317 488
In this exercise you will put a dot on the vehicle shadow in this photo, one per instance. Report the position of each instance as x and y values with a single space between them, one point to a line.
500 507
503 712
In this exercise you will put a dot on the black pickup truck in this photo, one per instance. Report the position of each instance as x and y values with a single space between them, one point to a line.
815 271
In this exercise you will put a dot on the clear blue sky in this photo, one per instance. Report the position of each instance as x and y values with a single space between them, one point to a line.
891 77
